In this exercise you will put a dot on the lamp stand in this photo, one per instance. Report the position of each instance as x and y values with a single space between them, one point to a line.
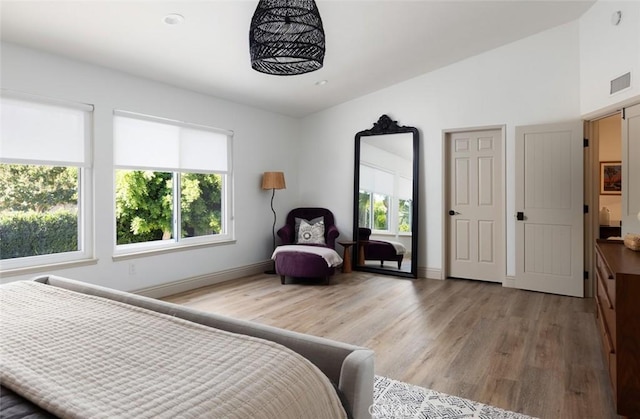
273 181
272 271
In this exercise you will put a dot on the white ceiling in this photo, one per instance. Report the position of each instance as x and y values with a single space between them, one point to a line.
370 44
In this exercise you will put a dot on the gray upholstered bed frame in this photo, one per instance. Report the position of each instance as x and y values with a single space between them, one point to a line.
349 367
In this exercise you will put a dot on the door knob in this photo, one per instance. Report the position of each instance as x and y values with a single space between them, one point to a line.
520 216
452 212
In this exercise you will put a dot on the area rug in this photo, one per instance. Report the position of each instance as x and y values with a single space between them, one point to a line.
397 400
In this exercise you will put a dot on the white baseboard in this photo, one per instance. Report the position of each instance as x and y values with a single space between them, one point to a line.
509 282
188 284
430 273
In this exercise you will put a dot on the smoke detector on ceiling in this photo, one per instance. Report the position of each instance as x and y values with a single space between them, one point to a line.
173 19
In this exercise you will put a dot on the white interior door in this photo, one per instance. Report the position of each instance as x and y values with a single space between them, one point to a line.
475 213
549 202
631 170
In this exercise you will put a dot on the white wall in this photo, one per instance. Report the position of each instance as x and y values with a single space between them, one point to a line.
263 141
556 75
607 52
531 81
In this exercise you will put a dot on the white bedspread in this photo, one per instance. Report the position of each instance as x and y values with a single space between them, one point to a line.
81 356
329 255
398 247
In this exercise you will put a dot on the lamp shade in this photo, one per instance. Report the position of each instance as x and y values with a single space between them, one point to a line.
286 37
273 180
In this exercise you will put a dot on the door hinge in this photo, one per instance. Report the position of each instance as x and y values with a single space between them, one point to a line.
586 209
624 113
586 274
585 142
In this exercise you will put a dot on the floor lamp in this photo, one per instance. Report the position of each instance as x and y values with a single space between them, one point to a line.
273 181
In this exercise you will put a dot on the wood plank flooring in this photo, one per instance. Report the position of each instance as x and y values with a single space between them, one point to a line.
533 353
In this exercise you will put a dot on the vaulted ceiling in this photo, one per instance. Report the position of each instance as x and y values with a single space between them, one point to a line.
370 44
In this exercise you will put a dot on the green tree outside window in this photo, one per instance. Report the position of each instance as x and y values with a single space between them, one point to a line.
145 209
38 210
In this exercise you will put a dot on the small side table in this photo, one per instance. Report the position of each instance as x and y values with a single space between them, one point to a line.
346 264
361 247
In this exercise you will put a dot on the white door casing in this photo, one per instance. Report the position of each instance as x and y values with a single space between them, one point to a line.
475 215
549 196
631 170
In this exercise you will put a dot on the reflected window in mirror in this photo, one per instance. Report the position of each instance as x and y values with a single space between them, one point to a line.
383 205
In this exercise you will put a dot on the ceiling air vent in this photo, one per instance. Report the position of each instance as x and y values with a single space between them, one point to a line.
620 83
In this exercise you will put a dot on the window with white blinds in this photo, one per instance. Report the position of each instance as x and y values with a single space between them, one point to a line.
45 132
163 145
45 181
385 200
376 180
172 182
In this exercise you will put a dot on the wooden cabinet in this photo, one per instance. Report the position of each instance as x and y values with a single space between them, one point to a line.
618 317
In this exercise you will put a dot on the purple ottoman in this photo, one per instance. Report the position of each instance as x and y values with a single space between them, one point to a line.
301 261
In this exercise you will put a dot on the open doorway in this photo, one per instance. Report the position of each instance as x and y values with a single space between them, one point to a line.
605 129
609 176
612 179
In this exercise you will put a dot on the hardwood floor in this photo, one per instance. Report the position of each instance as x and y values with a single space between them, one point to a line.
533 353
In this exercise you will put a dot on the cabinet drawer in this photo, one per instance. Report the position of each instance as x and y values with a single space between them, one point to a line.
604 275
606 337
613 374
601 289
606 312
609 356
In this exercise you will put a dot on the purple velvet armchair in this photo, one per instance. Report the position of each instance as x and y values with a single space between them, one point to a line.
298 264
287 233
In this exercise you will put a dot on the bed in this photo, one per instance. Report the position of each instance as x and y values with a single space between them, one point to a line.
80 350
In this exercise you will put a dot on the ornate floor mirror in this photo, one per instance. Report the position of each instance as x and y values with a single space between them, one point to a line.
385 199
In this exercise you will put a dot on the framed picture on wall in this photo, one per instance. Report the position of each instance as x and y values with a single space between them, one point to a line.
610 178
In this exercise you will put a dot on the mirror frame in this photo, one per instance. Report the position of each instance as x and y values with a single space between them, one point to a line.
384 126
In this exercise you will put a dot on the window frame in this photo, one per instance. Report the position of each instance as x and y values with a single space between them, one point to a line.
368 215
177 243
85 252
410 221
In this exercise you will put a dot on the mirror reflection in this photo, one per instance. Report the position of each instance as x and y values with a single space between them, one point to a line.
385 204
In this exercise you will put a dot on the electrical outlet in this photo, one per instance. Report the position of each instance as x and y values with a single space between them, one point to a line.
132 269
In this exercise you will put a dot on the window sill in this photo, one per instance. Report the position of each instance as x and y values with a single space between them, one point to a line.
388 233
139 253
48 267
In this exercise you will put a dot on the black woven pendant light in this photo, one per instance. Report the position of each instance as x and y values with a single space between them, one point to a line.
286 37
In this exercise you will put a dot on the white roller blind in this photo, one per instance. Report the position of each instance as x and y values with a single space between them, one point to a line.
405 188
203 150
367 178
43 133
167 145
384 182
375 180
